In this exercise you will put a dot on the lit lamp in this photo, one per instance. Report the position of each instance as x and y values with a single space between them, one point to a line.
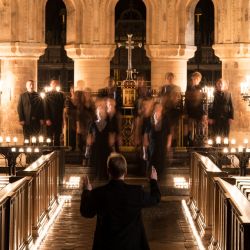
29 150
1 139
13 150
7 139
42 95
210 142
36 150
15 140
41 139
233 141
226 141
33 140
218 140
21 150
58 88
26 142
48 141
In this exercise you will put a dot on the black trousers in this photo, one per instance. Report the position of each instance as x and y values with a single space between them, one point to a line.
54 132
33 129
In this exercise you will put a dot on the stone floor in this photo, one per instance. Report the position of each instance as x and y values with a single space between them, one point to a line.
165 225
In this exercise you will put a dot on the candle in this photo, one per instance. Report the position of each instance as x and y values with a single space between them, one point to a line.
233 141
33 139
42 95
1 139
245 141
240 149
225 141
15 139
48 140
13 149
58 88
26 141
233 150
29 150
36 150
225 150
7 139
41 139
210 142
21 150
218 140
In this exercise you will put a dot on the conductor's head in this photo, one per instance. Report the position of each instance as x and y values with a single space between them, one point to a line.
116 166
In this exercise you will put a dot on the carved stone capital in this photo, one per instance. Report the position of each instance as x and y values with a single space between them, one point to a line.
232 51
170 52
21 50
90 51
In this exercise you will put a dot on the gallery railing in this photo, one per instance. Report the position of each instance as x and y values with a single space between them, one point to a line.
27 201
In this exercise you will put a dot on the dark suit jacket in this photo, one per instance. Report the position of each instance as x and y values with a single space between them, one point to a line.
26 110
118 207
54 105
222 107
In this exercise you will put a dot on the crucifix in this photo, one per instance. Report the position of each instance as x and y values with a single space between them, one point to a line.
129 45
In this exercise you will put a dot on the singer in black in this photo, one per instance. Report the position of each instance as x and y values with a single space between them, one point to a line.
30 111
222 111
54 106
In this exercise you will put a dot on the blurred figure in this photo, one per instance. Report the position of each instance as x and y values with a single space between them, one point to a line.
171 102
30 111
115 126
98 142
156 139
195 112
70 119
85 116
222 111
54 106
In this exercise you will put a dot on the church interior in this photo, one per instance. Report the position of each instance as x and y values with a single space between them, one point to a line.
165 83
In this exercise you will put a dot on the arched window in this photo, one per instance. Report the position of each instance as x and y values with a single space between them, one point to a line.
130 18
205 60
55 63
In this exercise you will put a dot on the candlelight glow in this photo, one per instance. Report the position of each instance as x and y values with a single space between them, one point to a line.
218 140
41 139
233 141
33 139
1 139
225 141
210 142
7 139
15 139
225 150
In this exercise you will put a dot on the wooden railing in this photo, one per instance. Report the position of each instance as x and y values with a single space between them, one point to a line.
15 215
27 204
232 215
201 202
44 172
219 205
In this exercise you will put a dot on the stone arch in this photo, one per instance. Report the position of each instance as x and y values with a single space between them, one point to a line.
71 19
186 20
150 25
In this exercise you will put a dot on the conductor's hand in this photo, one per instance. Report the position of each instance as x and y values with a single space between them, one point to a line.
86 183
153 174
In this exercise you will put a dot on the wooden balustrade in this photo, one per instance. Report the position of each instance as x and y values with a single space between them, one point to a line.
232 214
27 201
201 194
15 215
44 172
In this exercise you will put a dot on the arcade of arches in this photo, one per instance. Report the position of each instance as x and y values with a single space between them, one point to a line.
90 43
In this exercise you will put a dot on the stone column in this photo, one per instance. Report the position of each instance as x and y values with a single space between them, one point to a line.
235 68
91 64
18 64
169 58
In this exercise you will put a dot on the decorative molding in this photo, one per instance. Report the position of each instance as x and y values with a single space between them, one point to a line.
90 51
21 49
234 51
170 52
